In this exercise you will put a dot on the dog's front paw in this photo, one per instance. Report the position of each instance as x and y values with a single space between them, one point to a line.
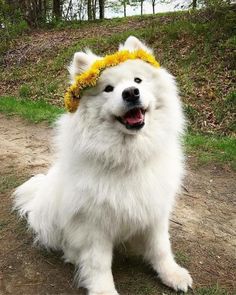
103 293
177 278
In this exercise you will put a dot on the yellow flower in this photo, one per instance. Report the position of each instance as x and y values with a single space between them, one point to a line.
99 64
71 103
121 56
109 60
90 77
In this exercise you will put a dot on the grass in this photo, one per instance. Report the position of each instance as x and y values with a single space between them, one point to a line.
9 181
24 91
215 290
3 224
181 257
33 111
212 149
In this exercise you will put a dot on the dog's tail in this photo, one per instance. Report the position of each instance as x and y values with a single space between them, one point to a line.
33 200
24 195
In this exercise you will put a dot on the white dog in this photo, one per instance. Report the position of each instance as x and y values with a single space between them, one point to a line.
118 167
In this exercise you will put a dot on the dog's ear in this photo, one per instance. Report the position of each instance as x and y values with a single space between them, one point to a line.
133 43
81 62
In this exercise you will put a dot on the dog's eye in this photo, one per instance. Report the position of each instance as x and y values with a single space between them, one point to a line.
137 80
108 88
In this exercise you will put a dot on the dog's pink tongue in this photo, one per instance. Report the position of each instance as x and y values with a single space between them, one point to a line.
134 117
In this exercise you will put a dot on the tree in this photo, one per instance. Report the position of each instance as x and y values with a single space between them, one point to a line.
194 4
57 9
89 9
138 2
153 6
101 9
125 2
210 3
141 6
118 6
94 8
69 9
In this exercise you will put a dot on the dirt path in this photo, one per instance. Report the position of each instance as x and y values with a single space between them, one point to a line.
202 230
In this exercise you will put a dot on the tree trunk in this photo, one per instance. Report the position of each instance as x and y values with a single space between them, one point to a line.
194 4
153 6
45 8
124 4
39 10
101 8
141 3
94 8
29 11
68 9
56 9
89 9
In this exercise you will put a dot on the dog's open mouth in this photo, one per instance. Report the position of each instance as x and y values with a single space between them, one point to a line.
133 119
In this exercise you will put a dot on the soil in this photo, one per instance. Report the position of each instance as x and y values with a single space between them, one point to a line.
202 227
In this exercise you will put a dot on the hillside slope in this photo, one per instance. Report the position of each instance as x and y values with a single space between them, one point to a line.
196 47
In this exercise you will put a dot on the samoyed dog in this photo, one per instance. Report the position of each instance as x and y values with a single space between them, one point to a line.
117 169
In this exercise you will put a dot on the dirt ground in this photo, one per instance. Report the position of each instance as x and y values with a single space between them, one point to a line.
202 227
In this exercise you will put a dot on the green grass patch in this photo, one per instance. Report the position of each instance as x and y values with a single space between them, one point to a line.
24 91
3 224
9 181
210 148
215 290
33 111
181 258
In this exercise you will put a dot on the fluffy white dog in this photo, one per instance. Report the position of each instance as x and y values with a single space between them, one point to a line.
118 167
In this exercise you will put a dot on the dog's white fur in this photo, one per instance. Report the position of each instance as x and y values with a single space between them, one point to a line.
110 184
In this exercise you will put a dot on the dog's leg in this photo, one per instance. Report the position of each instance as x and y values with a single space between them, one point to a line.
158 253
92 254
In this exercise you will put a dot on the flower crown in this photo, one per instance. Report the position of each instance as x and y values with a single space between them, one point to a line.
90 77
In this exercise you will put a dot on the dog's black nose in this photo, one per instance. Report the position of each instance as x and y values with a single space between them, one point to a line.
131 94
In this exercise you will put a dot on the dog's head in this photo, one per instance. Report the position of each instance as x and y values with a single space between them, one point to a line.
133 99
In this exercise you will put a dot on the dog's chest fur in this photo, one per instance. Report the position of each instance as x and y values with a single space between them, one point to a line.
121 203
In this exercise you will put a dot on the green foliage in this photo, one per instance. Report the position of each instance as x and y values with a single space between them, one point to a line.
214 3
11 20
12 24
